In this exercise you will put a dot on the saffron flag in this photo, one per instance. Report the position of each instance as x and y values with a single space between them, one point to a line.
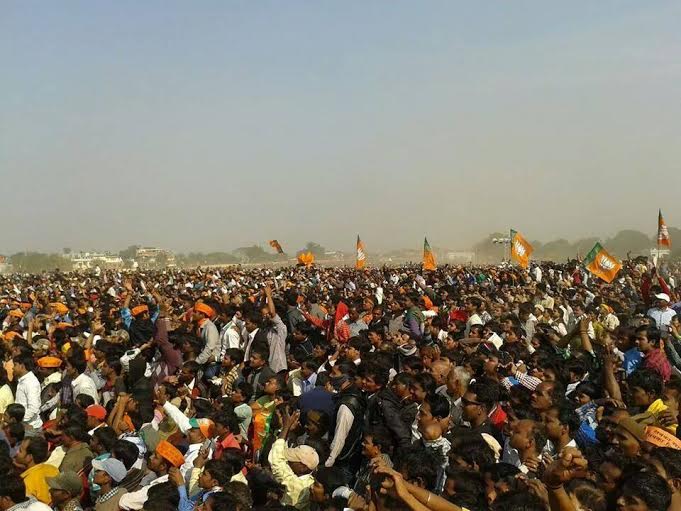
306 259
361 255
521 250
662 232
276 246
602 264
428 257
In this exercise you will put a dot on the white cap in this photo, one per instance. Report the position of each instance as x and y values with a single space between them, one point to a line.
663 296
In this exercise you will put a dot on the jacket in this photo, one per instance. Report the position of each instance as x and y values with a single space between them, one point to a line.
386 409
354 399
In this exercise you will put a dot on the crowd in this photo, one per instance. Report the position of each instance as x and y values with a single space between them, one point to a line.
463 388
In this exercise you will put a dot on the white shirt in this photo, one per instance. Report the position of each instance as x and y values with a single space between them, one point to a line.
137 499
662 318
85 385
28 395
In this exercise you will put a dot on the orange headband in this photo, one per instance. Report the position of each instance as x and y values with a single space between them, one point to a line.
204 309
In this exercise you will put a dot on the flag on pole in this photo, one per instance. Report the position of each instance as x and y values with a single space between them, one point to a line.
602 264
361 260
276 246
662 232
521 250
428 257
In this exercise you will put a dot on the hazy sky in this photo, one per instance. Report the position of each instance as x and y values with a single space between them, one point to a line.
211 125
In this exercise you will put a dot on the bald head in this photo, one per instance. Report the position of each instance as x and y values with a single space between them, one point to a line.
439 369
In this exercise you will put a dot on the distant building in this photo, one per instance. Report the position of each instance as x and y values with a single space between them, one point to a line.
147 257
88 260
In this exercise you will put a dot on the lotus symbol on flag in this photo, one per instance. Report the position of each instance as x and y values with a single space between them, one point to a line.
606 263
519 248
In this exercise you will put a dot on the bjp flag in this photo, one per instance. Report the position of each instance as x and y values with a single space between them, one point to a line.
602 264
662 232
276 246
521 250
306 259
361 260
428 256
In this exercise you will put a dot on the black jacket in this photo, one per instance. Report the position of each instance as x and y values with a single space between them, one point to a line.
354 399
387 410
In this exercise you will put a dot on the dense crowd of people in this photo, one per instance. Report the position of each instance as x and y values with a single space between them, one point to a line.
464 388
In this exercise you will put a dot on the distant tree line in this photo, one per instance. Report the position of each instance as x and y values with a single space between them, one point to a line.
625 242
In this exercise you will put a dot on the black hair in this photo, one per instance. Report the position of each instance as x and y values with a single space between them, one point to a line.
470 488
84 400
568 417
347 368
77 362
518 500
126 452
322 379
164 492
419 465
246 390
16 411
262 483
413 363
25 360
588 388
375 372
192 366
439 406
647 380
38 448
234 495
77 432
17 431
502 471
402 379
485 393
330 478
235 354
649 487
220 471
382 438
261 351
670 459
105 436
361 344
426 381
473 450
227 419
13 487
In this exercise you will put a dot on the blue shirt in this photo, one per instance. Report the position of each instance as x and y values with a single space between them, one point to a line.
632 359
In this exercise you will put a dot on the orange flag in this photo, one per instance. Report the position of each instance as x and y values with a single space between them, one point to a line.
361 260
428 257
602 264
306 259
521 250
662 232
276 246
